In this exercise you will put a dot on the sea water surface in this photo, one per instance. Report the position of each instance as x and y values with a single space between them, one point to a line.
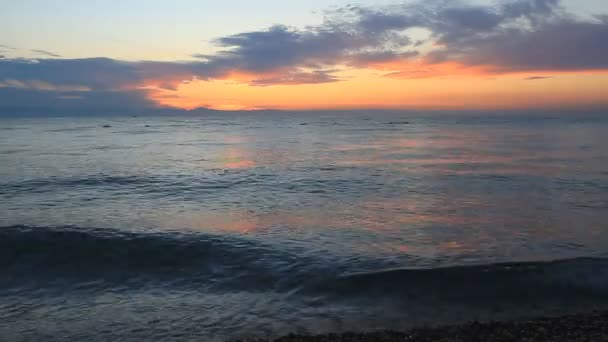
221 226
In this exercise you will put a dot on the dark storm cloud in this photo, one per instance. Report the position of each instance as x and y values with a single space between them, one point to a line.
374 21
277 47
367 58
69 84
95 73
529 8
282 47
15 100
530 35
515 35
563 45
602 17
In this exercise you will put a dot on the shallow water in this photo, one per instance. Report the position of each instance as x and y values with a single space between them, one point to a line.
263 224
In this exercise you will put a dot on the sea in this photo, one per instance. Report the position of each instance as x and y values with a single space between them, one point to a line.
220 226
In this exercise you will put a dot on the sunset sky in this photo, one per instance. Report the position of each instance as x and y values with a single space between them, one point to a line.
303 54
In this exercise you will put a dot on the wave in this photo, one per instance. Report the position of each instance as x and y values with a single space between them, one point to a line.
84 254
218 179
236 263
525 282
49 184
146 184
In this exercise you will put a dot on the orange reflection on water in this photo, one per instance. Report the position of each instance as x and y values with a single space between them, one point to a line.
236 156
359 147
410 211
453 246
239 164
485 152
236 221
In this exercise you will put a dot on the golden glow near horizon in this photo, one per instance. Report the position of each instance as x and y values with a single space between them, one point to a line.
367 88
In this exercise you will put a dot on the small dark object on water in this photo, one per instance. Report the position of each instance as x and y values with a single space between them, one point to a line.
106 126
147 125
303 124
398 123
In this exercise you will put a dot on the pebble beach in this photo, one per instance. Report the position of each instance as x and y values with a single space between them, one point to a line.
578 328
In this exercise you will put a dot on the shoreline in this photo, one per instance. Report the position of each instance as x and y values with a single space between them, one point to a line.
590 327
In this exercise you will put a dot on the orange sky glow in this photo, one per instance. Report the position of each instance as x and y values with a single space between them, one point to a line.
440 86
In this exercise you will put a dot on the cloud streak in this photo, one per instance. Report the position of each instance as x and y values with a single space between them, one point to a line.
535 78
46 53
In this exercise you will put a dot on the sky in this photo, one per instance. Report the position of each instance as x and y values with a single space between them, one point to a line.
303 54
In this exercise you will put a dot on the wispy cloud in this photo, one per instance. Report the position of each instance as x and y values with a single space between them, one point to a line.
534 78
314 77
45 53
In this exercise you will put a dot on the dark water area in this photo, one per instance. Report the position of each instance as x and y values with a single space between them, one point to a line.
218 227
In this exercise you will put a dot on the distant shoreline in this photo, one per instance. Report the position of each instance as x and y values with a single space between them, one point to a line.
591 327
